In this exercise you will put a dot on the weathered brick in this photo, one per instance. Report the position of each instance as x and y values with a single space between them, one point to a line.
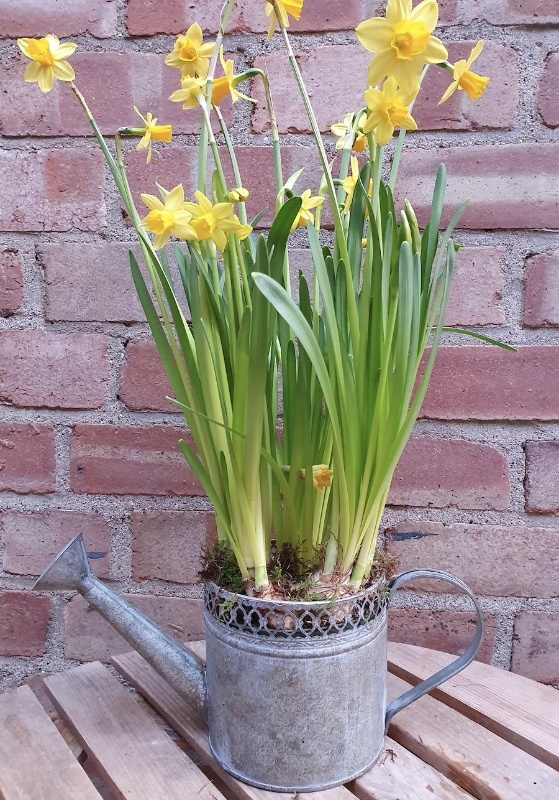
143 382
486 382
141 79
542 477
507 561
548 94
90 637
332 100
24 618
56 190
31 540
449 631
168 16
450 472
11 282
507 185
541 290
168 544
39 17
88 282
27 460
535 646
53 370
130 460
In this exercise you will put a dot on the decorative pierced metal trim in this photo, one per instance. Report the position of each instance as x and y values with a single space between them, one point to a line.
298 620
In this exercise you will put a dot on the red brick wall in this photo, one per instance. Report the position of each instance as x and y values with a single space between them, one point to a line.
87 439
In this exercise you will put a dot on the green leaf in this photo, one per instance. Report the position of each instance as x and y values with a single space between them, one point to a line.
480 336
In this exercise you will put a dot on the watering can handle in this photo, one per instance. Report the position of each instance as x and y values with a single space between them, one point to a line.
455 666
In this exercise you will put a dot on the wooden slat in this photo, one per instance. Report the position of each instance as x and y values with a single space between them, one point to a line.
520 710
480 761
133 753
35 763
400 775
188 722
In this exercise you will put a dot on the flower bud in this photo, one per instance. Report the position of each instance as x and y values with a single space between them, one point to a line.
237 195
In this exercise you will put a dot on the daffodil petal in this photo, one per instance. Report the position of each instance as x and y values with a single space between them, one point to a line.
175 198
449 92
32 70
374 34
63 71
382 64
195 34
161 239
152 202
475 53
203 202
220 239
435 52
64 50
427 12
383 133
45 79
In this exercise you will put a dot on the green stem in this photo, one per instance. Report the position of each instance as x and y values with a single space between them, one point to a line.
233 158
214 149
401 139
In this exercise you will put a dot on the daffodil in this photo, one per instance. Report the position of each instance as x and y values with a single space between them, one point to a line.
47 61
168 217
388 109
190 54
237 195
340 130
190 92
226 84
350 182
305 212
214 221
402 42
474 85
321 476
152 132
281 8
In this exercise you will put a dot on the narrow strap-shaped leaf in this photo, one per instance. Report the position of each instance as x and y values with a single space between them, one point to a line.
481 336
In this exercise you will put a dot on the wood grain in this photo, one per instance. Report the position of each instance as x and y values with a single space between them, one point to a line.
400 775
136 757
188 722
480 761
518 709
35 762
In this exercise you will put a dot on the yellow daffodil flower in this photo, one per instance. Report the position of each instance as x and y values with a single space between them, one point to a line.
168 217
214 221
190 92
284 7
388 109
350 182
402 42
225 84
321 476
474 85
340 130
153 132
305 212
190 54
47 61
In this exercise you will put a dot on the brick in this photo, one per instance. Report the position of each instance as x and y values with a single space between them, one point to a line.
56 190
53 370
450 472
11 282
31 540
39 17
24 618
169 16
130 460
143 382
90 637
332 100
89 282
535 646
168 544
542 477
475 553
509 12
27 460
487 382
507 185
448 631
141 79
168 167
548 93
541 290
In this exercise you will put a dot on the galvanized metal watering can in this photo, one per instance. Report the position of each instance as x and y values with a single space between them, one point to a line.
294 692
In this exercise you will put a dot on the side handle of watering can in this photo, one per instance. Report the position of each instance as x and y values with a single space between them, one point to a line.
455 666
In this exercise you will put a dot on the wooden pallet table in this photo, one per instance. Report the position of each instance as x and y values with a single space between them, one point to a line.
486 733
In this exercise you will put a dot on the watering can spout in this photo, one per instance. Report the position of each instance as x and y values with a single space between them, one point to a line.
70 570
